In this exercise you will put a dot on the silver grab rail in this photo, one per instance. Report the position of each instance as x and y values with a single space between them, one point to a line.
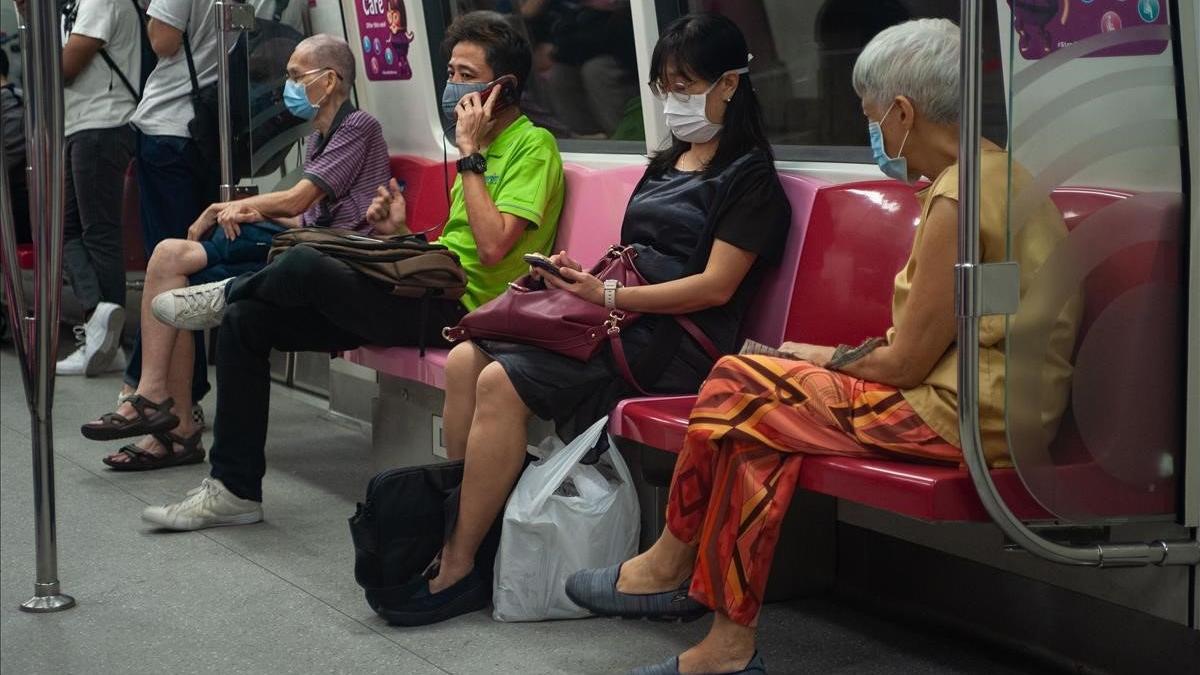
233 19
36 335
970 292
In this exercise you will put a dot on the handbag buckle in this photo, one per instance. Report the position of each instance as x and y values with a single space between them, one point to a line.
613 324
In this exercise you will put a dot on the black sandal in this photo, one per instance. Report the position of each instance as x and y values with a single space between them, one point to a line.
142 460
111 426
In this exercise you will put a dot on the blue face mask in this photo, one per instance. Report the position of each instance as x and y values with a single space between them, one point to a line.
892 167
295 97
454 92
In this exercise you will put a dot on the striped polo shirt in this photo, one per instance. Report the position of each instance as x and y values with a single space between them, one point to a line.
348 164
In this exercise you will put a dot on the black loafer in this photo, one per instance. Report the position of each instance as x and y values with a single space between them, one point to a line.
596 591
470 594
671 667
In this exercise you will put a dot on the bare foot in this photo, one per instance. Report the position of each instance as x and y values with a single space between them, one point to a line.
127 410
645 574
148 443
449 573
727 648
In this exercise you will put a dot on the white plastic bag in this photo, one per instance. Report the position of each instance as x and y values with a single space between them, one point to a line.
563 517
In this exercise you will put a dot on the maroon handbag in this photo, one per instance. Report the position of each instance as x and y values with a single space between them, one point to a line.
561 322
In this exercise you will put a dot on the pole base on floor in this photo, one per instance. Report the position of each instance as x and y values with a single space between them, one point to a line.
40 604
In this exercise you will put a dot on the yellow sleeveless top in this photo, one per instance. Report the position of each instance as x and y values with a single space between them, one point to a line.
936 400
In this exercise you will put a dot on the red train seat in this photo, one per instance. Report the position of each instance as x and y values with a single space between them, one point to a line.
425 195
850 264
131 229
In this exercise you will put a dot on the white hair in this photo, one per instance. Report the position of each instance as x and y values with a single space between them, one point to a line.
328 51
917 59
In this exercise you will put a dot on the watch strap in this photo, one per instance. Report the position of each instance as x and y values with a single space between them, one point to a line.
610 293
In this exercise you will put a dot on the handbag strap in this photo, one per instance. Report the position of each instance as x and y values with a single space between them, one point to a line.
622 361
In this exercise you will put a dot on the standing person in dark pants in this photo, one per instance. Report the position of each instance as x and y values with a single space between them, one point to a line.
101 63
174 182
12 116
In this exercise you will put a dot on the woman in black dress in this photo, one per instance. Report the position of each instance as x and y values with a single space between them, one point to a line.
707 218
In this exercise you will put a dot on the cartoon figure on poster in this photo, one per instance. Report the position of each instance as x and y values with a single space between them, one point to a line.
386 39
401 38
1046 26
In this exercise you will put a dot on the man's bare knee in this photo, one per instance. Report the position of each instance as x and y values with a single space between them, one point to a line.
173 256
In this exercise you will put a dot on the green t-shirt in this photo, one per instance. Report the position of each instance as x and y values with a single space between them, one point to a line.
525 178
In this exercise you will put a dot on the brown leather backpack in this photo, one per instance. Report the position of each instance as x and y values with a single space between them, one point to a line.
410 266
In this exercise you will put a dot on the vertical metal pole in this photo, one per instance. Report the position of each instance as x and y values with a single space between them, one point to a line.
44 95
967 274
224 118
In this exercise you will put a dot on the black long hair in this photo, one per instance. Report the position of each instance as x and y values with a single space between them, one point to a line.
705 47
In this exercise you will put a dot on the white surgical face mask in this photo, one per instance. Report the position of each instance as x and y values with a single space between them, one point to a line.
685 114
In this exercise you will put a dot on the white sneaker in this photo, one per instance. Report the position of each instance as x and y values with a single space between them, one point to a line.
75 363
210 505
198 417
118 363
192 307
103 338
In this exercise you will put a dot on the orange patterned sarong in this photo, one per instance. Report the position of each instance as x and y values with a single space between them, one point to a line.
755 419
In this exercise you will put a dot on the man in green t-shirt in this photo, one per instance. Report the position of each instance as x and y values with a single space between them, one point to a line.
509 191
505 203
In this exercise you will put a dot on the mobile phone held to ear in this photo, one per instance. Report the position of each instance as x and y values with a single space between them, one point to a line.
508 92
545 264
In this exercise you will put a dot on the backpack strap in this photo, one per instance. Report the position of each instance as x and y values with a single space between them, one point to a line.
137 96
191 64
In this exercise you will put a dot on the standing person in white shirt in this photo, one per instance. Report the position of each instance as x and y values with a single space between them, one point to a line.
101 65
174 182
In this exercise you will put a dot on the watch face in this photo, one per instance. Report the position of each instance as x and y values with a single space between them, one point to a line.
475 163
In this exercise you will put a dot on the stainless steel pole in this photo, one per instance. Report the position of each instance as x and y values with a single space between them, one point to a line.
45 149
968 275
224 119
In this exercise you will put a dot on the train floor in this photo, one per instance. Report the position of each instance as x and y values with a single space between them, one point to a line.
280 597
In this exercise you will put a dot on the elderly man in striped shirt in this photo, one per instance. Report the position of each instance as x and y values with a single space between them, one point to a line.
345 162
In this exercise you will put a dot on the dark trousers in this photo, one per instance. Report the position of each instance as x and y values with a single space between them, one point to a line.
95 187
174 187
304 301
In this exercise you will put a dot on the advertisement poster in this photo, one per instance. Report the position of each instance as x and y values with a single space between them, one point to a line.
383 25
1046 26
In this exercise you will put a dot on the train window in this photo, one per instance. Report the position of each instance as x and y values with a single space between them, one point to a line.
804 53
584 86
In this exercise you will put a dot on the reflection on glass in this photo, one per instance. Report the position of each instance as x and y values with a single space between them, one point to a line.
804 53
584 82
1096 128
264 131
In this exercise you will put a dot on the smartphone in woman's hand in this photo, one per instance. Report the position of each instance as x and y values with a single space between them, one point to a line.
545 264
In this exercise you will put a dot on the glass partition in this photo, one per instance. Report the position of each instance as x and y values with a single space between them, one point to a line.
584 86
264 132
1094 382
804 53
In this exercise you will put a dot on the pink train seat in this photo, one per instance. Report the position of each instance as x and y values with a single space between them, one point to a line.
590 222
